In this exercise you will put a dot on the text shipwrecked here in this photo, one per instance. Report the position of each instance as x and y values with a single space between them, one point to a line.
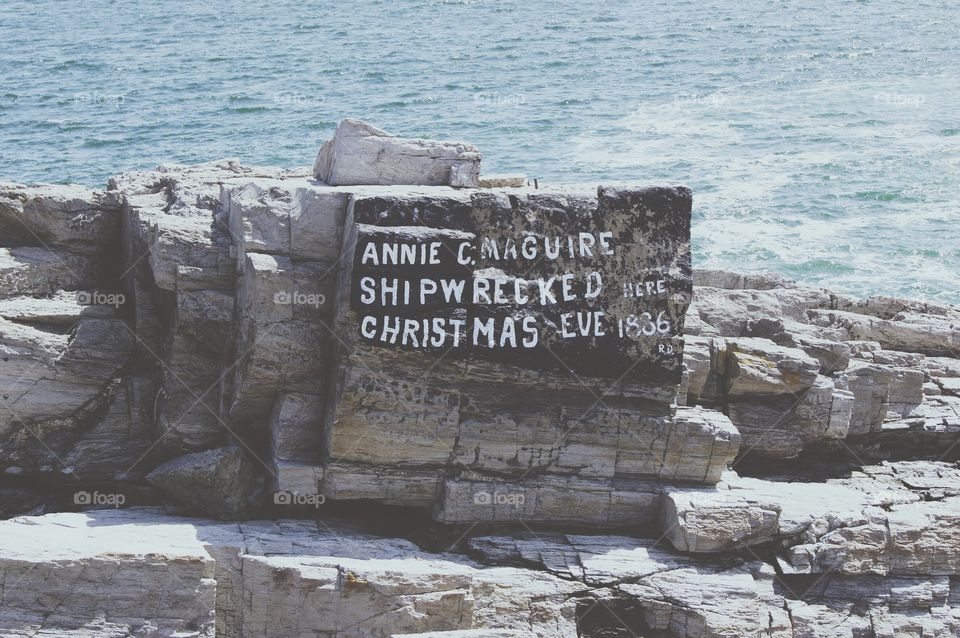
492 288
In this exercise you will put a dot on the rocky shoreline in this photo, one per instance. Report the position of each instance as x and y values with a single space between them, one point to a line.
194 441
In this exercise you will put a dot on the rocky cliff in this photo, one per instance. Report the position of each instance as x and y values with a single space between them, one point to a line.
395 397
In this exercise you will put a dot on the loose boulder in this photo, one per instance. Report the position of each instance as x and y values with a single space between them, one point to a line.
360 153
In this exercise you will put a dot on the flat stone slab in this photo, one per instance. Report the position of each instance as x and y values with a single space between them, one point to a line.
360 153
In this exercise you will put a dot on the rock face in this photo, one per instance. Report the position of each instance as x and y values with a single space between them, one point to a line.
873 397
600 439
291 578
444 381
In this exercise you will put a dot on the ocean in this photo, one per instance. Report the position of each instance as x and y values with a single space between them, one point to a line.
821 138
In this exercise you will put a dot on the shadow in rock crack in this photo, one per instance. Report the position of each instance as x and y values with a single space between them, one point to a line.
617 618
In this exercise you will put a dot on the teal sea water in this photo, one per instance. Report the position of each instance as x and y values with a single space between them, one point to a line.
821 138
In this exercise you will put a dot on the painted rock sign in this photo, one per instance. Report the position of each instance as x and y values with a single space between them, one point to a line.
573 284
514 335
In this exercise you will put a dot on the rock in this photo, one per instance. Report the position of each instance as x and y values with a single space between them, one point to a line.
296 427
466 633
63 308
221 338
693 445
914 538
505 180
930 431
710 442
894 358
870 385
554 499
834 356
696 359
283 340
286 220
263 579
706 444
464 411
741 511
674 595
296 598
30 271
759 367
721 521
949 385
75 579
704 278
177 256
930 388
410 487
174 241
69 217
363 154
730 310
694 325
51 378
932 335
884 307
224 482
114 449
282 578
906 391
782 427
942 366
841 413
858 348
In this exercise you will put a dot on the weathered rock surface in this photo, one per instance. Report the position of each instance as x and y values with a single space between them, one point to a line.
224 482
233 329
300 578
47 215
873 353
284 579
201 336
363 154
741 512
936 335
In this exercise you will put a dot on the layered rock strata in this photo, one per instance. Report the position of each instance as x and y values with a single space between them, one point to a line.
142 572
239 342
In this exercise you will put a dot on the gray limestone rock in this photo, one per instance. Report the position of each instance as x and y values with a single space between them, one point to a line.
934 335
553 499
283 337
783 426
717 521
758 368
69 217
221 336
50 379
224 482
293 221
360 153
